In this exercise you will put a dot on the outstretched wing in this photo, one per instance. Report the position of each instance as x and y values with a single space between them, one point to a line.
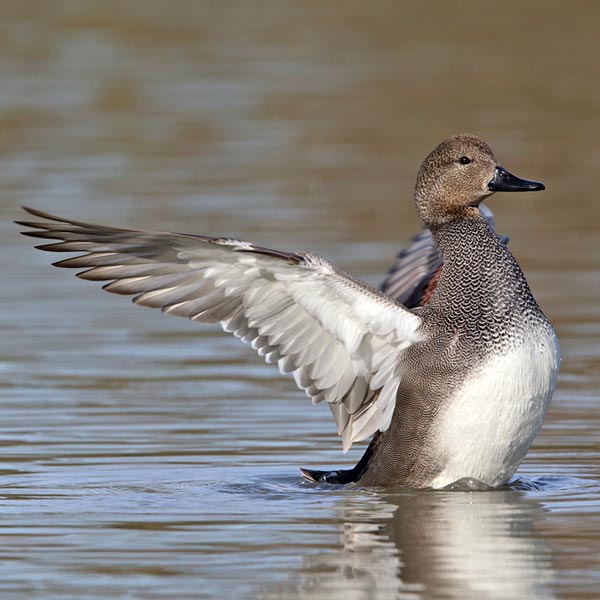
341 338
414 276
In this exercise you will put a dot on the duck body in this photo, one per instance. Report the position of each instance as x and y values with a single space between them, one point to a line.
450 367
479 384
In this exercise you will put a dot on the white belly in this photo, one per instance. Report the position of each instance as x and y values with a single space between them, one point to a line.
488 426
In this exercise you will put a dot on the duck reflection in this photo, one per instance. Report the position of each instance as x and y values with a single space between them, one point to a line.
431 545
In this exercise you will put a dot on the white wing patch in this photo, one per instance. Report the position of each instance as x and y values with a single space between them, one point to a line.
341 339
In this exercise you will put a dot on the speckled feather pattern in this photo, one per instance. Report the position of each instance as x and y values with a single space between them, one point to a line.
482 307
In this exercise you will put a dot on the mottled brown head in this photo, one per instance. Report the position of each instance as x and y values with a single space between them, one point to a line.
457 175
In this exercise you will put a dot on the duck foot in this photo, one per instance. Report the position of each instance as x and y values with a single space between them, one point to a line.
345 475
339 477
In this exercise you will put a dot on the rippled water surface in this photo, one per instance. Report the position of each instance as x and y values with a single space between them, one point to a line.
148 457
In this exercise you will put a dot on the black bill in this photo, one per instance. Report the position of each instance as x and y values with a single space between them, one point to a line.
504 181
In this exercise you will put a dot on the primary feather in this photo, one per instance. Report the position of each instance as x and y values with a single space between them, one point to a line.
341 338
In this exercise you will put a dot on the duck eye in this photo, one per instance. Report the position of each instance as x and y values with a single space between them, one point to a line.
464 160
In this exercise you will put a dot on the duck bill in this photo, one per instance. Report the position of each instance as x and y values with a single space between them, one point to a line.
504 181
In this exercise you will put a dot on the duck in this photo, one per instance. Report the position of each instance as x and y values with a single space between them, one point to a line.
450 367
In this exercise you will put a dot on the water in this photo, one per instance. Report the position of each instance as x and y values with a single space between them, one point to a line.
146 457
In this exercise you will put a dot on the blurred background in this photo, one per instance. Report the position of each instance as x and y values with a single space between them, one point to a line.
144 455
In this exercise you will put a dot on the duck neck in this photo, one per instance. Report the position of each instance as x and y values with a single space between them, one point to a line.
479 274
460 238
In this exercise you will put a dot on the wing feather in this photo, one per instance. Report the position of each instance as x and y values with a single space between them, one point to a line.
342 340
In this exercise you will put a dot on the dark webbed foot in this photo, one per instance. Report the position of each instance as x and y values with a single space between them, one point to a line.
340 477
344 475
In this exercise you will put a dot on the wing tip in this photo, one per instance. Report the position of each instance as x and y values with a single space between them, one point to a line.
40 213
346 443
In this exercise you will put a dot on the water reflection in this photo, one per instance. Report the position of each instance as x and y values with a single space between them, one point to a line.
431 545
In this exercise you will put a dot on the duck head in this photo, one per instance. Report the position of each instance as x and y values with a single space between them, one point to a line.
457 175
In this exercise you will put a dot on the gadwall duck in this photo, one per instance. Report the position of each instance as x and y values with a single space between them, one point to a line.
451 368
